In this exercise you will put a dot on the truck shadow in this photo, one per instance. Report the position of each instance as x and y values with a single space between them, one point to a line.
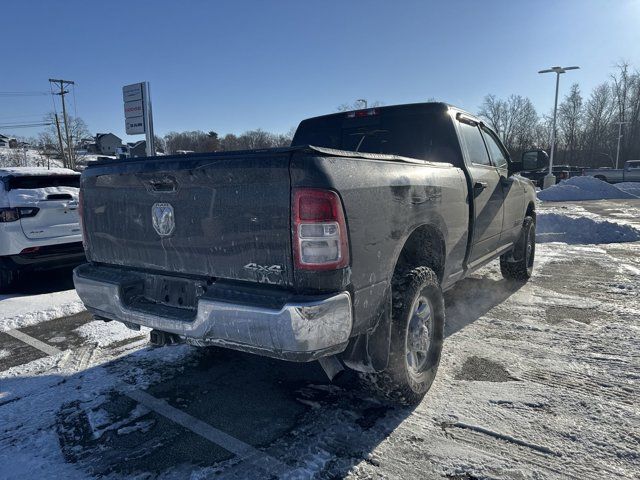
472 298
289 411
36 283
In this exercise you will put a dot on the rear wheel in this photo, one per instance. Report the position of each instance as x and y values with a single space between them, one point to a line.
417 333
518 263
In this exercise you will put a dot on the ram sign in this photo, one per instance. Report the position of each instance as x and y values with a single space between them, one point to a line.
134 108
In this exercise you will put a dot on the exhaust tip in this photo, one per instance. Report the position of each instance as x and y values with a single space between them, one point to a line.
158 338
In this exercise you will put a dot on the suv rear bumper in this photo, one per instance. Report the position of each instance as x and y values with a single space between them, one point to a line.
46 257
302 329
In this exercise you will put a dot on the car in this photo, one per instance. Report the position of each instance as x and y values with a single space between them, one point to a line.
630 173
39 221
536 170
337 249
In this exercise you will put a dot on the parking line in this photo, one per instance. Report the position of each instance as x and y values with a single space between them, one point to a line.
250 456
34 342
243 450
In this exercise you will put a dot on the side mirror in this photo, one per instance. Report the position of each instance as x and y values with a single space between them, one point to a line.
534 160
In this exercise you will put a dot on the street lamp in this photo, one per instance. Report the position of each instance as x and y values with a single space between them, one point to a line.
362 101
619 137
550 179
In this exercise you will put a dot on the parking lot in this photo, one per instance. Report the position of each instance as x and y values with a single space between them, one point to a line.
537 381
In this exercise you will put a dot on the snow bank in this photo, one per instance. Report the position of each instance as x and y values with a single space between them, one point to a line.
17 311
563 227
583 188
630 187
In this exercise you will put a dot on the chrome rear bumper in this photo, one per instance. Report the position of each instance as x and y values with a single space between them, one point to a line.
302 330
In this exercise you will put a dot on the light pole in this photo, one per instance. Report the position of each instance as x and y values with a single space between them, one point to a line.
550 179
363 101
619 138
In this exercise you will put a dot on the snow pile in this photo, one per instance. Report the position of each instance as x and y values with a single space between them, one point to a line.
630 187
17 311
583 188
563 227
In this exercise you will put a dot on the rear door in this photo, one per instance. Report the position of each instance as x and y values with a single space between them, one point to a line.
48 205
486 191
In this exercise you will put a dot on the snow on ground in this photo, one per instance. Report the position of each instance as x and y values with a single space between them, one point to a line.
17 311
571 227
586 188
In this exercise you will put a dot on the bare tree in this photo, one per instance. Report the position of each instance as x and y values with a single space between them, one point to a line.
570 126
358 105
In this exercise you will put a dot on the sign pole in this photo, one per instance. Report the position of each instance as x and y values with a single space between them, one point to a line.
151 148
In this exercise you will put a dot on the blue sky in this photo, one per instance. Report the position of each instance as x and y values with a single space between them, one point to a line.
230 66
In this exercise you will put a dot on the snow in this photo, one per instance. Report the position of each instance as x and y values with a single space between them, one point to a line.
630 187
584 188
17 311
556 226
23 171
102 334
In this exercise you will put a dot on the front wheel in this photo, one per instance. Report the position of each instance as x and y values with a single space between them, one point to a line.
518 263
417 332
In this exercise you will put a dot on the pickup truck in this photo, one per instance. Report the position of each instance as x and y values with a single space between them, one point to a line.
336 249
630 173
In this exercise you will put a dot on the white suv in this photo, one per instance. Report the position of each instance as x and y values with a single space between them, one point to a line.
39 221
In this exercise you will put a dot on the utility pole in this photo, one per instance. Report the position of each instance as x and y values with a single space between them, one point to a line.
550 179
62 93
60 140
619 138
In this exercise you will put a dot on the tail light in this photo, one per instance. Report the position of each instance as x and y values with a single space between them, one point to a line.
14 214
319 230
80 210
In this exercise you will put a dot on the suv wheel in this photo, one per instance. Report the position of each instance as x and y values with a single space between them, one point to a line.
417 332
7 279
518 263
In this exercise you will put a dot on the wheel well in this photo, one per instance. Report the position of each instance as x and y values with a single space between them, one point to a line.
601 177
424 247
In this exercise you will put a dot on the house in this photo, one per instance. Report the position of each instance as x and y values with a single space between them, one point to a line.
138 149
107 143
7 142
87 144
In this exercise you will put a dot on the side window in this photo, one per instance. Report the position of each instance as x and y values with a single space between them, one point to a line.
474 143
498 155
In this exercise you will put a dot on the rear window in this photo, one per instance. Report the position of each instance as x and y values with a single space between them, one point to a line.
422 134
43 181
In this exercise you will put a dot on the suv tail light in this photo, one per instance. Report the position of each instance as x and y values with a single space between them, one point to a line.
319 230
14 214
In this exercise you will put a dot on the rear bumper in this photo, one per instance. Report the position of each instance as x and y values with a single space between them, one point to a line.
46 257
302 329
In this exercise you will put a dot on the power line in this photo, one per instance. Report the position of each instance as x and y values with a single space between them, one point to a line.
25 125
22 94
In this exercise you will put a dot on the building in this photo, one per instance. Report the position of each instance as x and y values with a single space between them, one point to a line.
138 149
107 143
7 142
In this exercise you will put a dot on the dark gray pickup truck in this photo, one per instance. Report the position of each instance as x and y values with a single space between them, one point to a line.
336 249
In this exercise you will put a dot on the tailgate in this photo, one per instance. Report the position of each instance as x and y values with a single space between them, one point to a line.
221 216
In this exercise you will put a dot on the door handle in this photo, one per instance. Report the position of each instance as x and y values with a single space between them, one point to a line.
480 186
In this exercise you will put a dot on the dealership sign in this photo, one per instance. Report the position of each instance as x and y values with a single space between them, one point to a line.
137 112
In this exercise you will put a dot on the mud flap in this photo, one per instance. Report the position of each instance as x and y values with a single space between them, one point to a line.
369 352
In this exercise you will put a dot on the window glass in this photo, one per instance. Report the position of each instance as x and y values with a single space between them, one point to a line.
43 181
475 146
497 154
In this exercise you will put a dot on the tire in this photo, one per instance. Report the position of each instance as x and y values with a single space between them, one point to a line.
518 263
417 302
7 279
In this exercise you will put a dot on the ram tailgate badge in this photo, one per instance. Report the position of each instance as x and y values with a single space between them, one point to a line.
163 218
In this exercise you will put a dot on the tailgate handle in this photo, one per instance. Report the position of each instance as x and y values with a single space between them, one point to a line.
166 185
